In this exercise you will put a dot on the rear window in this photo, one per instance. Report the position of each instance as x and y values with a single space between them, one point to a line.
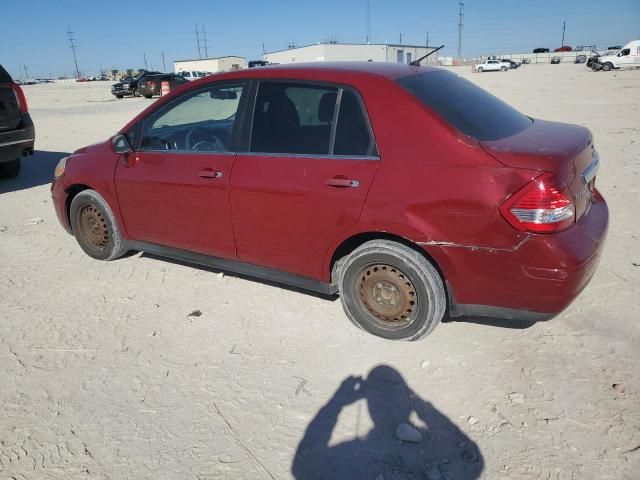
470 109
4 76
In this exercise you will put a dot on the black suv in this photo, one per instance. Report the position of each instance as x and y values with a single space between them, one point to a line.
129 85
150 84
541 50
17 134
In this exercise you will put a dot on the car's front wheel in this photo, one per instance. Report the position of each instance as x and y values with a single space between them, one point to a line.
607 66
504 69
95 226
10 169
391 291
480 69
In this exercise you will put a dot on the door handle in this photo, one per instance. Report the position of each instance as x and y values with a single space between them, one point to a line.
209 173
342 182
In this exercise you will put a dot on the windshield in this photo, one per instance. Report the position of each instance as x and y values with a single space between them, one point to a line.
467 107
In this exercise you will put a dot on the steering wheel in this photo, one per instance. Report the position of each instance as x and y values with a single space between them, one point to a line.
200 139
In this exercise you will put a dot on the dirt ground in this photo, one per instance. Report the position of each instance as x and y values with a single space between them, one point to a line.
108 372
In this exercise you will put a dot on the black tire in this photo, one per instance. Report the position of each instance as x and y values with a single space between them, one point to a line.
504 69
95 227
119 96
134 92
607 66
414 297
480 69
10 169
148 96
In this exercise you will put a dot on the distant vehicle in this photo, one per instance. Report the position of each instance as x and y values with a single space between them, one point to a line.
82 79
128 86
257 63
593 61
192 75
541 50
526 61
584 48
615 48
492 66
512 63
17 134
628 56
150 85
565 48
556 60
276 173
581 59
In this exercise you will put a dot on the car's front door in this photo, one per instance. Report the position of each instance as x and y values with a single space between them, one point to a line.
173 190
304 177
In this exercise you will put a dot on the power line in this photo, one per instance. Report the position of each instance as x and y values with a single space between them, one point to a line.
73 48
460 25
204 41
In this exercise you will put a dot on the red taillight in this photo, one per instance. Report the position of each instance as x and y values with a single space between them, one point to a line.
544 205
20 98
151 83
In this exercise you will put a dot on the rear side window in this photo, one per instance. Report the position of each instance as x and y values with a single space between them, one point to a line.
470 109
352 131
292 118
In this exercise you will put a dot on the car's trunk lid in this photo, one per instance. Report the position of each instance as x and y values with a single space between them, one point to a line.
563 149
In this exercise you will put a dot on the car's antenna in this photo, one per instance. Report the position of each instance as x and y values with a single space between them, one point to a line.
416 63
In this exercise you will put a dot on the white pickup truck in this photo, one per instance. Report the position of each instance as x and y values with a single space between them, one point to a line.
491 66
628 56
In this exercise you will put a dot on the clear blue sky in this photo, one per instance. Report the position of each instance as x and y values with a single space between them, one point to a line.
116 33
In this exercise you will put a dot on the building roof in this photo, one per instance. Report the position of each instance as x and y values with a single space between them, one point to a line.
208 58
351 44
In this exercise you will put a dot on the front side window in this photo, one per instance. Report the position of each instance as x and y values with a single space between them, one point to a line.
293 118
201 122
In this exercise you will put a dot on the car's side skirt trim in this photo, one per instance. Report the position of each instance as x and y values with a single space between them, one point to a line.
264 273
469 310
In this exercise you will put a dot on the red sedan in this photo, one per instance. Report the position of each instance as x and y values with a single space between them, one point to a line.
408 190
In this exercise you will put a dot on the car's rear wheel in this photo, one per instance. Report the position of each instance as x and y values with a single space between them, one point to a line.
504 69
10 169
134 92
607 66
95 226
391 291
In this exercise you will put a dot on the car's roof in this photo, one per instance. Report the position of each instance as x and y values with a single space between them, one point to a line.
382 69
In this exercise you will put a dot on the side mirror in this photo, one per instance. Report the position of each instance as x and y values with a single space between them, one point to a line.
121 144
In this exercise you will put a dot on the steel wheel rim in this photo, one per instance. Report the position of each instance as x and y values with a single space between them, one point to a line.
388 295
94 227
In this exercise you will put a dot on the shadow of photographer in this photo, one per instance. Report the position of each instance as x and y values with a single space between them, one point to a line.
443 452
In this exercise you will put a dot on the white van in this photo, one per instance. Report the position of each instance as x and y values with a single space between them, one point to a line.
191 75
629 56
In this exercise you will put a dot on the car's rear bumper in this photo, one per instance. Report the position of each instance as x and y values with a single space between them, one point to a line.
15 142
535 280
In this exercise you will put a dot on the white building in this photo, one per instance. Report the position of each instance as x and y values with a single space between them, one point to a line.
213 65
362 52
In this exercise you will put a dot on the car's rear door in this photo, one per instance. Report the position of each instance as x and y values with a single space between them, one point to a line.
174 189
304 176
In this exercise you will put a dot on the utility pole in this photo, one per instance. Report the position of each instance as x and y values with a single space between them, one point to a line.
20 69
145 61
204 41
400 39
263 50
368 21
26 72
427 44
460 25
164 67
564 24
198 41
73 47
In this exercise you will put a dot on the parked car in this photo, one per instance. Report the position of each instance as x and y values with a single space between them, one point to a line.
150 84
257 63
627 56
512 63
444 200
615 48
581 59
492 66
565 48
17 133
592 62
192 75
556 60
541 50
129 85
